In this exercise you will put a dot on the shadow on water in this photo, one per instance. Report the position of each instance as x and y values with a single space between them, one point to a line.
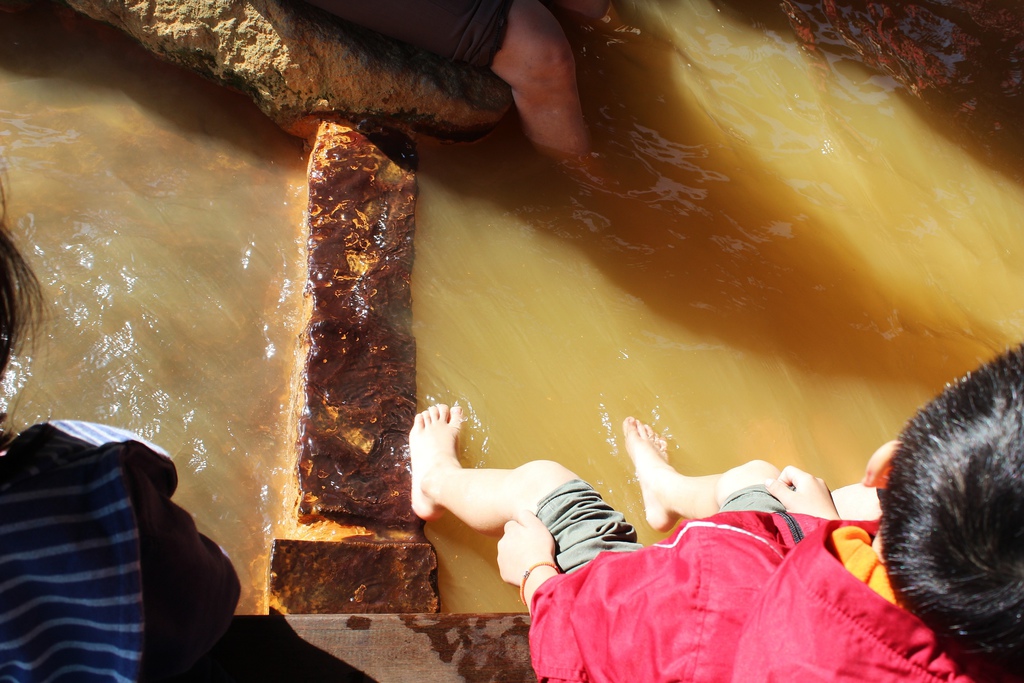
706 237
49 42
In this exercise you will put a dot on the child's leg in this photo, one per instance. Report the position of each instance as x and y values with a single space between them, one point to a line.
669 495
482 498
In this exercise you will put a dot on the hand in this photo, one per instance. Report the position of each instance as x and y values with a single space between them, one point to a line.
803 493
525 543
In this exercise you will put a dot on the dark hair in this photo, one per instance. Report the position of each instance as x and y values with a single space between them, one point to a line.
953 512
20 300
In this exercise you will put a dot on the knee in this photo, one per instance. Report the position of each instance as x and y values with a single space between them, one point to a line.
748 474
535 51
551 60
544 476
755 471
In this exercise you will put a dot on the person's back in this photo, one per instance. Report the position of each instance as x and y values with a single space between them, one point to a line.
70 586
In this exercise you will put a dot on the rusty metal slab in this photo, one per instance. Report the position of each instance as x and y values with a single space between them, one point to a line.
352 577
360 372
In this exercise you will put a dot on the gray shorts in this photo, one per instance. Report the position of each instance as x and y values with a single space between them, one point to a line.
463 30
753 498
583 525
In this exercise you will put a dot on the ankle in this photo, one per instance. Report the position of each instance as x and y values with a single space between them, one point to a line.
432 485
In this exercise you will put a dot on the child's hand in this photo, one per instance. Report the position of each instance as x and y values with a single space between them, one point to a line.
526 542
803 493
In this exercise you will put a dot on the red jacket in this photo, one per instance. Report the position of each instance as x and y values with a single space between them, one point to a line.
735 598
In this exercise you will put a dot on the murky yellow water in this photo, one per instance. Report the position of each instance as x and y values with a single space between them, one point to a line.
783 262
784 266
163 217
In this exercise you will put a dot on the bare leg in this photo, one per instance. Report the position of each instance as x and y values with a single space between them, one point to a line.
857 501
482 498
536 60
669 495
753 473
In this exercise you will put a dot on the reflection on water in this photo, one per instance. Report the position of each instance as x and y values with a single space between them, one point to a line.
782 263
162 215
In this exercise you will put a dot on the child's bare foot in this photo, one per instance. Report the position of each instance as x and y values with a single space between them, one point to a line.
650 457
433 447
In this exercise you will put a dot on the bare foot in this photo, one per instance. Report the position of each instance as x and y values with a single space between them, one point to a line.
433 447
650 457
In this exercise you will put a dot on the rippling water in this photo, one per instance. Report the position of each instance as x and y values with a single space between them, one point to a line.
788 256
783 259
162 216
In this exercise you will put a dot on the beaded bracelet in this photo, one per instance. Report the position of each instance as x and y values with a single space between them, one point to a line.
526 575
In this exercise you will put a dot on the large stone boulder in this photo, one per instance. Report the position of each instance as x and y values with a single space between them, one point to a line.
301 65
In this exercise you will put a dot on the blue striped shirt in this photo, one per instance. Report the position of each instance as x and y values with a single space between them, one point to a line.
70 583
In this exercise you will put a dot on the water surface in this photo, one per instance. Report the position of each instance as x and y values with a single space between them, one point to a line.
162 215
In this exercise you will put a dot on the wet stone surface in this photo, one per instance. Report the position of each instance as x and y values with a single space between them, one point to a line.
360 373
963 60
352 577
301 65
359 389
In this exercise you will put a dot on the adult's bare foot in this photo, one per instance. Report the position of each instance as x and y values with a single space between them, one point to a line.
433 447
649 453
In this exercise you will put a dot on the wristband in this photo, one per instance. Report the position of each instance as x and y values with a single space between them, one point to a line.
526 575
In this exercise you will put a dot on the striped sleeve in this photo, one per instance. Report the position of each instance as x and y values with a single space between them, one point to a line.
70 586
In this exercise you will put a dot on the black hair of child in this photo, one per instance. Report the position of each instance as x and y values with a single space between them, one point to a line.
953 513
20 300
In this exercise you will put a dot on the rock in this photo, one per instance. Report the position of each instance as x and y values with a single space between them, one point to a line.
963 59
352 577
360 372
300 64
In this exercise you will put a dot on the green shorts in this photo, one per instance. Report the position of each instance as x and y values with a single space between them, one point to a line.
583 525
753 498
